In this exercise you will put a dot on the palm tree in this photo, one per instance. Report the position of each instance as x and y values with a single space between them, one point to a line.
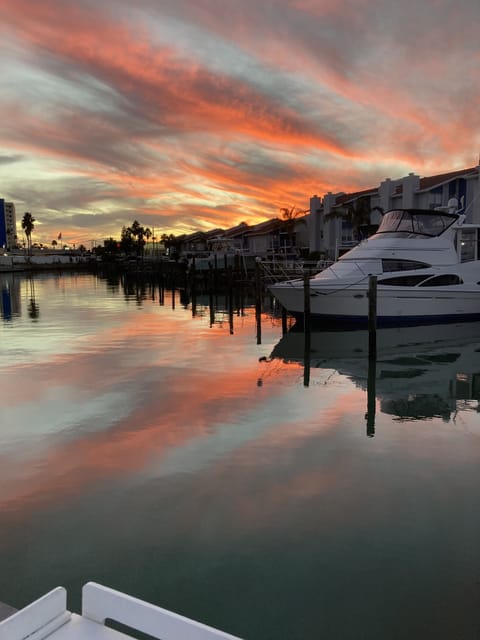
357 213
138 231
28 226
289 218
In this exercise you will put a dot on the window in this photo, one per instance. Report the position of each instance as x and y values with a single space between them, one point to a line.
404 281
442 281
416 222
389 264
424 280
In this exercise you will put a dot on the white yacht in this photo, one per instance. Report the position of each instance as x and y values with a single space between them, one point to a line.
427 269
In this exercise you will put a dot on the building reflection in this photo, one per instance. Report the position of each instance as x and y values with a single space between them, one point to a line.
10 299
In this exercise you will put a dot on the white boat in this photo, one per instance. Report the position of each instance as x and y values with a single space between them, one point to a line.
427 269
224 253
48 617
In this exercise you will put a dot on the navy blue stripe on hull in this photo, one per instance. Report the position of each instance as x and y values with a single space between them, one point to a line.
361 322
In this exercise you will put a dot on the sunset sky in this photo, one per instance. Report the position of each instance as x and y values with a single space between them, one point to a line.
194 114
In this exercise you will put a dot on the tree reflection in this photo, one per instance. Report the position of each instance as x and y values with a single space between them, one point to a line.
33 307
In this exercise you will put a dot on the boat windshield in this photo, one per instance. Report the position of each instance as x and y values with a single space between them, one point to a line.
416 221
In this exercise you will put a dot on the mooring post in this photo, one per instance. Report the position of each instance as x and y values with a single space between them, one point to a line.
371 397
306 302
230 299
258 300
372 317
284 321
306 328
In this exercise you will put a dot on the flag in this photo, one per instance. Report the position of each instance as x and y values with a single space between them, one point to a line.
60 236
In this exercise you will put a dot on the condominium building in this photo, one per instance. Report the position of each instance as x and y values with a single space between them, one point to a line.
330 231
8 225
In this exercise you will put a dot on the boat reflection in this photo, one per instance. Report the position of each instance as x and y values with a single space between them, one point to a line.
419 372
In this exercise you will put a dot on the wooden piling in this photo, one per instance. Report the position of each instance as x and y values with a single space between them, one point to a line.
284 321
230 298
211 307
307 329
372 317
306 303
371 397
258 302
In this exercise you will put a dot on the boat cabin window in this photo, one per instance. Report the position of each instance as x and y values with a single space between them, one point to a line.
424 280
469 244
390 264
442 281
416 221
404 281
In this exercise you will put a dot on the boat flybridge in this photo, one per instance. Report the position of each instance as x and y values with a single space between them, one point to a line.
427 266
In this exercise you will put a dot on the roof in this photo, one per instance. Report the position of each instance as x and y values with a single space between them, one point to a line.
442 178
347 197
239 230
265 227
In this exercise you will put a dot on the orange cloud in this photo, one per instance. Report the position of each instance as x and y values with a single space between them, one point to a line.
125 118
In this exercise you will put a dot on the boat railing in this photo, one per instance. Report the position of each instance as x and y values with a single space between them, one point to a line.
48 617
280 271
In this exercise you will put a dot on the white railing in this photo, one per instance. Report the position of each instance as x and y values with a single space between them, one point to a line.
48 617
278 271
39 619
101 603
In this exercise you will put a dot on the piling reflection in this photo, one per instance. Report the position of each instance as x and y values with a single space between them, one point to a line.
419 372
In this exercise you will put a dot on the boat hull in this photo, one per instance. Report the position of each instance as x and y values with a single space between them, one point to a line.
396 306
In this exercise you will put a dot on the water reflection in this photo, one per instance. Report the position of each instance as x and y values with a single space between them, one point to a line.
420 372
33 307
146 434
11 297
10 301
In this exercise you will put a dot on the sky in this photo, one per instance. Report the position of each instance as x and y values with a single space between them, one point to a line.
192 115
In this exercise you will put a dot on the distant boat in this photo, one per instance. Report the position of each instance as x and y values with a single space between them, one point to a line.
427 268
224 253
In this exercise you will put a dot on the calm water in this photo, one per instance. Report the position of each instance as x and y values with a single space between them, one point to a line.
145 447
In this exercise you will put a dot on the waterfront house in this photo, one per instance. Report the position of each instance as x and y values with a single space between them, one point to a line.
330 228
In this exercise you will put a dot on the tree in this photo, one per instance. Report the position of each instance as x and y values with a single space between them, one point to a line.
289 218
148 233
169 241
28 226
54 243
138 233
358 214
127 242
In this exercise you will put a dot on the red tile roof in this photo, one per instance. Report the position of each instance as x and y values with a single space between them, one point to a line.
347 197
442 178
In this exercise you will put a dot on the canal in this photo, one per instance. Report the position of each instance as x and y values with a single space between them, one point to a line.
167 448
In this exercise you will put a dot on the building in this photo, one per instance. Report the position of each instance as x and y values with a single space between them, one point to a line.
8 225
331 232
